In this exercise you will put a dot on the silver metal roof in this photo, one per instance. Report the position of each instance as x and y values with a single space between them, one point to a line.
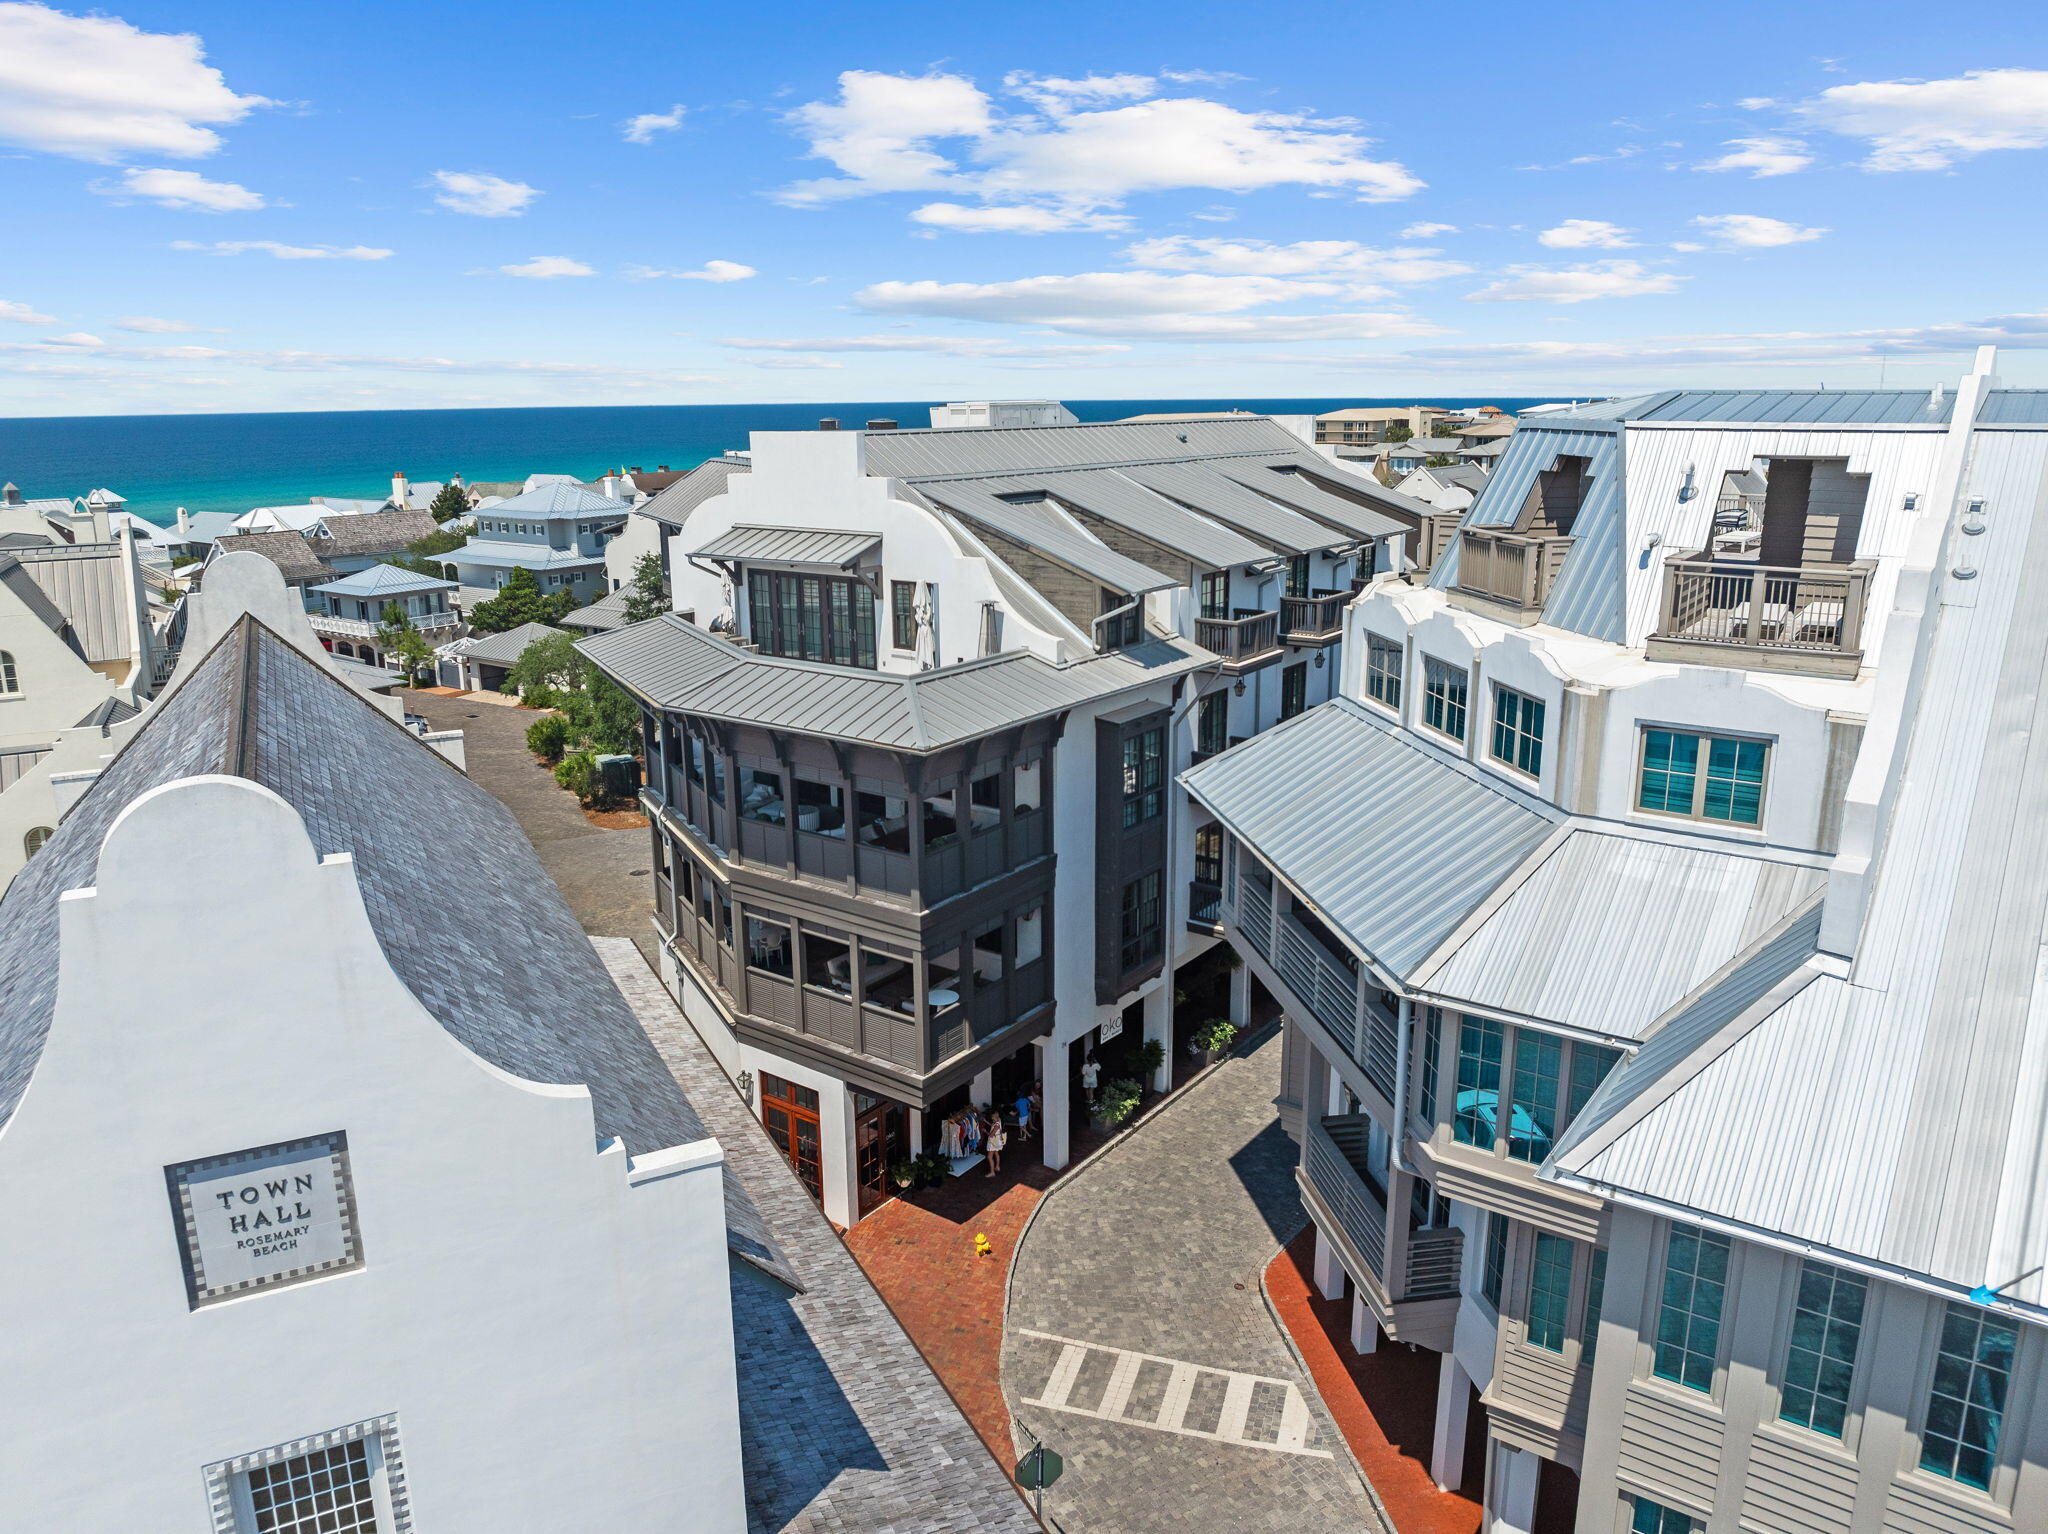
1894 1113
1290 478
1115 497
1606 930
1050 532
1323 796
1786 407
504 649
923 453
828 547
87 583
674 504
1211 489
674 664
607 612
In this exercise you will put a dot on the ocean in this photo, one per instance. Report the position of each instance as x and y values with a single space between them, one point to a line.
234 462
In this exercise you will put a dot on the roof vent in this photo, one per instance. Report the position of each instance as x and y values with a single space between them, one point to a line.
881 423
829 423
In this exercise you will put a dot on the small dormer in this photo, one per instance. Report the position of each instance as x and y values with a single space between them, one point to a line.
1506 571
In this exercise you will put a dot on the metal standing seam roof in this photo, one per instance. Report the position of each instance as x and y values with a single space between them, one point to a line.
674 504
1049 532
942 452
1121 500
88 584
1210 488
607 612
790 546
560 500
383 580
1778 407
505 648
1604 931
1299 489
676 665
1322 795
497 554
509 972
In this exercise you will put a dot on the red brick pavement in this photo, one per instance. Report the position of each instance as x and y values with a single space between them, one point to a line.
1384 1403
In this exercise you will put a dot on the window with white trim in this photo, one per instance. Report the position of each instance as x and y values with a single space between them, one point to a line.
1703 777
10 678
1445 690
1518 730
348 1481
1383 671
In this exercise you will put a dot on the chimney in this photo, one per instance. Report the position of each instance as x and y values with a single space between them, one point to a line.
661 468
184 522
635 469
12 492
881 425
829 423
398 489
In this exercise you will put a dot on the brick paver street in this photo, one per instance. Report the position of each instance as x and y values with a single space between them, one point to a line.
1140 1280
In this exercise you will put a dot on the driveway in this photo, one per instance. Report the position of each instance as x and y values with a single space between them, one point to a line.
604 875
1138 1344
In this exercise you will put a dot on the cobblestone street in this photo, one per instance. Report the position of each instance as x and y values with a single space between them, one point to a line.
1138 1343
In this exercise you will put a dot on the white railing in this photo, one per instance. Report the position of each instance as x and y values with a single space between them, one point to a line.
365 628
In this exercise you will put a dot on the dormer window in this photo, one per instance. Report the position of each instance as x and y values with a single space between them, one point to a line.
827 618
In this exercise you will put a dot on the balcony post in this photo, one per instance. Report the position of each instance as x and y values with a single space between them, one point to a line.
1755 626
1158 1017
1853 598
1453 1401
1241 995
1329 1272
1365 1329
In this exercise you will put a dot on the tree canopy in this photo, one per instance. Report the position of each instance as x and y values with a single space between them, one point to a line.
648 591
450 501
520 600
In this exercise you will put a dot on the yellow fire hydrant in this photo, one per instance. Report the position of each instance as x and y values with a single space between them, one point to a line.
983 1247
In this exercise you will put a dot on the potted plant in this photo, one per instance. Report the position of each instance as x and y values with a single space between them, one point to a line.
1216 1036
1151 1055
903 1173
1119 1100
931 1169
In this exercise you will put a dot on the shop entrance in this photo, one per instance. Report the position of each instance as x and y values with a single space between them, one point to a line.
881 1138
790 1114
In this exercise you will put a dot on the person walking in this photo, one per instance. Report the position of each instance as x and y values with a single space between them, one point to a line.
1024 1114
994 1144
1091 1073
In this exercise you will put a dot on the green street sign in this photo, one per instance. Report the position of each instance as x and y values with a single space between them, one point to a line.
1039 1469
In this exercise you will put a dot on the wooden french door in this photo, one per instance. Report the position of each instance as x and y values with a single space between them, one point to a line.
790 1113
880 1132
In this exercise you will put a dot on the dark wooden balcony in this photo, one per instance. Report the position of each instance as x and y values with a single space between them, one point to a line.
1242 643
1729 612
1508 575
1317 619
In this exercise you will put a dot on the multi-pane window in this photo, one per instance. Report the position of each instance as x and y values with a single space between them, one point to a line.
1494 1277
1126 627
1480 1044
1647 1517
1140 927
1550 1291
1689 1310
768 946
1532 1101
812 617
1444 695
1209 854
1144 776
1297 576
903 614
1966 1401
1596 1295
330 1491
1518 730
1212 723
1590 1065
1383 670
1820 1359
1293 689
1432 1026
1216 594
1703 777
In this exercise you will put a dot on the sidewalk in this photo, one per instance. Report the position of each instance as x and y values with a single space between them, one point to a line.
1383 1403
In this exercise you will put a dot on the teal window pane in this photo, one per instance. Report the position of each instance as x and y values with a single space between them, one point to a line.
1966 1399
1670 765
1590 1065
1496 1274
1480 1045
1518 730
1444 694
1647 1517
1596 1294
1734 781
1532 1111
1550 1291
1820 1358
1432 1026
1689 1308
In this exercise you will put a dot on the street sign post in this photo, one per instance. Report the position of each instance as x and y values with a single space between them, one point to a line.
1036 1471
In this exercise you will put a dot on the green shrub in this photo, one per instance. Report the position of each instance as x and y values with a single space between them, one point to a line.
548 737
1151 1055
577 772
1118 1102
1216 1035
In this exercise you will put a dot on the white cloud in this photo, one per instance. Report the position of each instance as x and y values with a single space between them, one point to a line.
710 271
549 266
1586 234
1141 305
1055 94
947 346
182 189
97 88
23 314
326 362
482 196
641 129
1761 156
794 363
1754 231
1426 231
143 324
1014 220
76 338
1345 258
286 252
1575 284
884 133
1929 124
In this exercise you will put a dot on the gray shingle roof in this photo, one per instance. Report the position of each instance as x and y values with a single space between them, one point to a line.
790 545
375 532
674 664
508 972
290 552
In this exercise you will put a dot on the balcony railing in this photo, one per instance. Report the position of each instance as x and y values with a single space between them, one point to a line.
365 628
1334 1170
1435 1256
1327 988
1205 905
1242 640
1787 617
1309 620
1515 570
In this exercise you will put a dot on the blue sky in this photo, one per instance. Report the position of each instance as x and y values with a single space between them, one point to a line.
226 206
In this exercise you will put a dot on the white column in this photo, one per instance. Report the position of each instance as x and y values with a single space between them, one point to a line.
1058 1112
838 1169
1159 1025
1329 1272
1241 996
1453 1400
916 1117
981 1091
1365 1328
1513 1493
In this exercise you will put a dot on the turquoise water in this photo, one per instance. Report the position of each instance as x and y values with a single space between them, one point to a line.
234 462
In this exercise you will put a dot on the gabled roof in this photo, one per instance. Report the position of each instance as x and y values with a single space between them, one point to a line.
791 546
376 532
504 554
508 972
504 649
676 665
955 450
289 551
1042 528
560 499
1323 795
674 504
1425 445
607 612
384 581
206 526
